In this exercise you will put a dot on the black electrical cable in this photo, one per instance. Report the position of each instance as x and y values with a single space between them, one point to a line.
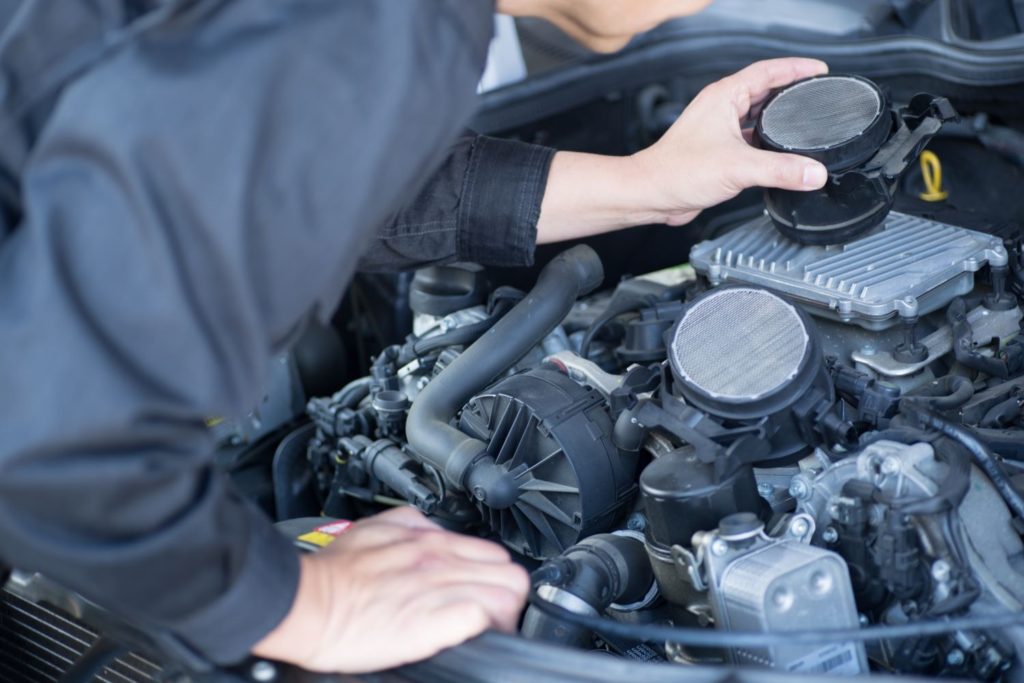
980 453
464 335
353 392
699 637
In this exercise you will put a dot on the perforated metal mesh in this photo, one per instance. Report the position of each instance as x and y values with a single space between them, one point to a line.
739 344
820 113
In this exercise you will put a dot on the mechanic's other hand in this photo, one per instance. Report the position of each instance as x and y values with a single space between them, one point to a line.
603 25
705 159
395 589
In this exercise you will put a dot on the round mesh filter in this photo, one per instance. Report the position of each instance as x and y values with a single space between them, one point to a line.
739 344
821 113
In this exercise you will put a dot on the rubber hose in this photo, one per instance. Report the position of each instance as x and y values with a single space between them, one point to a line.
354 392
945 393
569 275
980 453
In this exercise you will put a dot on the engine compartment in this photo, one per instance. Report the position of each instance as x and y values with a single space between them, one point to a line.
785 439
778 455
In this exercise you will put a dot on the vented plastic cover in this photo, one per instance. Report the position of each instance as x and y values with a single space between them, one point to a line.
739 344
821 113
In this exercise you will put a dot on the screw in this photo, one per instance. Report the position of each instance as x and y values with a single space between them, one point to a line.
799 527
955 657
830 535
941 571
891 466
765 490
636 522
863 619
479 493
263 672
719 547
798 489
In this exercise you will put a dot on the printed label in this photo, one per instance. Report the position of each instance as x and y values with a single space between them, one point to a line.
841 660
324 535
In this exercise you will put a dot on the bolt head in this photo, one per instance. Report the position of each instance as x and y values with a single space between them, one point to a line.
891 466
636 522
955 657
263 672
799 527
830 535
719 547
941 571
765 489
799 489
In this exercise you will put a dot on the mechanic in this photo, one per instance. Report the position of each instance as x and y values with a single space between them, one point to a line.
184 183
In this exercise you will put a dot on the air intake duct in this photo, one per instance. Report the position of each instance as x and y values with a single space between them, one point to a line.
743 354
463 460
848 124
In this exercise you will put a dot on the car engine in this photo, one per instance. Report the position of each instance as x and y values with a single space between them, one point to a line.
797 454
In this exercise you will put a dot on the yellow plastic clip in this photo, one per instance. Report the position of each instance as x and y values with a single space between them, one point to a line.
931 173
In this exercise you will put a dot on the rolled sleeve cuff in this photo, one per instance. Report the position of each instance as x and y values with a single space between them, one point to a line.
501 202
258 600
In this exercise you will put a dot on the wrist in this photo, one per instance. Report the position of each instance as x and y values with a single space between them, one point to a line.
641 176
295 639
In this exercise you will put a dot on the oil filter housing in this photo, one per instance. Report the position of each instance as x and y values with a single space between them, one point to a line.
847 123
773 584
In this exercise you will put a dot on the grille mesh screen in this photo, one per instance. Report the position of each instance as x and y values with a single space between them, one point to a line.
820 113
739 344
39 644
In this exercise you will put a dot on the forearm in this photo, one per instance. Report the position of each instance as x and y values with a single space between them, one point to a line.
590 194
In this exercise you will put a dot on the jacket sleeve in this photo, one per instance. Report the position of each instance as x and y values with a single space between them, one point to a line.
481 206
192 199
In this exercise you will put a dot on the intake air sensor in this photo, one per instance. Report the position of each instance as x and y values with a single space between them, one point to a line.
747 356
846 123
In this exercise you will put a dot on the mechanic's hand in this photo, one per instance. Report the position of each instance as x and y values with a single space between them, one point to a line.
706 159
603 25
703 160
395 589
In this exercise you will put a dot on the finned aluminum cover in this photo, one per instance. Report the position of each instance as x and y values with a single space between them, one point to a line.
907 266
739 344
821 113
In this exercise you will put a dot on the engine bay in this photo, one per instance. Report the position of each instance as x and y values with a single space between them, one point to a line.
782 455
802 449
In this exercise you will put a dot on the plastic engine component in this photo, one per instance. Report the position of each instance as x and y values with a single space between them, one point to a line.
847 123
743 353
911 266
552 437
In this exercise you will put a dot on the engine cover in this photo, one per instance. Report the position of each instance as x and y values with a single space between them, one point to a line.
909 266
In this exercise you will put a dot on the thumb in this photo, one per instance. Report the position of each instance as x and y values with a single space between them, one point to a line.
759 168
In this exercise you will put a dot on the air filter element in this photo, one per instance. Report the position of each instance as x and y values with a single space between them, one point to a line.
744 353
839 120
846 123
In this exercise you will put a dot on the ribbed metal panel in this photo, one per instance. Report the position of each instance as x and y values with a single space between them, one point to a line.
910 263
40 644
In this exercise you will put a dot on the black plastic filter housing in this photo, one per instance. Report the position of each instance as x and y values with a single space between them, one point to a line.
742 352
746 355
848 124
